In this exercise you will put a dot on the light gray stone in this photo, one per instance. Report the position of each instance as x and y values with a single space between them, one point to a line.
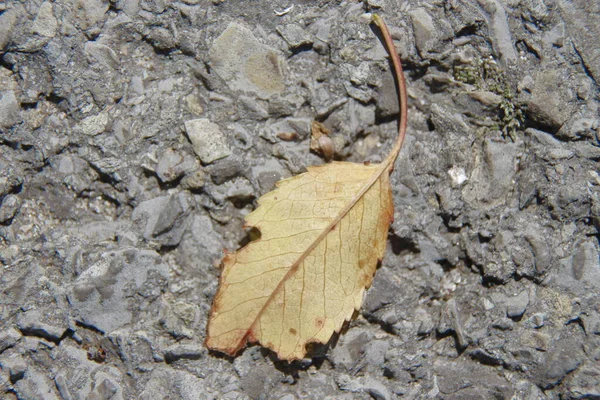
426 33
89 12
586 265
102 54
8 20
94 380
517 304
45 22
103 295
294 35
551 99
350 349
559 361
49 323
168 383
246 64
208 141
238 189
376 389
8 338
501 35
9 208
36 385
163 219
10 112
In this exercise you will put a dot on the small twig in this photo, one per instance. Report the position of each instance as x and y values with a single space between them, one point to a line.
401 81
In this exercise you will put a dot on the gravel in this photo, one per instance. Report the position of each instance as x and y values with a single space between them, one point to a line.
136 135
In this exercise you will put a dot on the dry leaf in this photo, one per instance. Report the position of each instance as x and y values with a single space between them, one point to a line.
322 235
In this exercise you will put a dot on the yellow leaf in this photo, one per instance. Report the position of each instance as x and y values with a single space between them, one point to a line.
322 235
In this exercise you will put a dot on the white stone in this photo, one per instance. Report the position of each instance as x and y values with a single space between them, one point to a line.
458 176
207 140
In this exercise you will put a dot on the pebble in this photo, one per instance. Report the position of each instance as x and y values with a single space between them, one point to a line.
89 12
238 189
184 351
350 348
99 296
163 219
294 36
162 39
585 263
207 140
559 361
8 208
45 23
426 33
93 125
35 385
173 165
517 304
8 338
501 35
10 112
550 103
246 64
49 323
101 54
194 180
8 20
224 170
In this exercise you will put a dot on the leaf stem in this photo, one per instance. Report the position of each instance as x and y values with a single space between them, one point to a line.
401 87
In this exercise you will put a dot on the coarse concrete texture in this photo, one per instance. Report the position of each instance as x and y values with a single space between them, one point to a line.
135 135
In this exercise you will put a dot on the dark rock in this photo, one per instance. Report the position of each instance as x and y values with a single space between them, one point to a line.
224 170
184 351
456 377
16 367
